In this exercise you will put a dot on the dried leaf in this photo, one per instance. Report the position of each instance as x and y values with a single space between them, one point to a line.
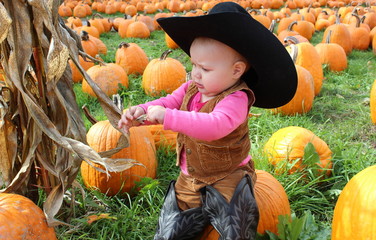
5 22
40 123
93 218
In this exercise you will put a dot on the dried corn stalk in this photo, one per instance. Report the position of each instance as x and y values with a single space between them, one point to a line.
42 135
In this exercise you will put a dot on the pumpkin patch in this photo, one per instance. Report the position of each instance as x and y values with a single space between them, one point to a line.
315 156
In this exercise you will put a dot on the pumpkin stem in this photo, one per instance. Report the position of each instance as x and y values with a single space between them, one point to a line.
256 11
84 36
327 40
88 115
290 40
124 44
117 100
165 54
362 19
357 19
97 15
97 58
272 26
289 28
338 19
294 52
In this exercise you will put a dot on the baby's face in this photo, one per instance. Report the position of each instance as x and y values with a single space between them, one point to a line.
215 66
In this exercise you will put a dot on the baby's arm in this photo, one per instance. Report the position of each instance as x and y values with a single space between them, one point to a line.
174 100
171 101
225 118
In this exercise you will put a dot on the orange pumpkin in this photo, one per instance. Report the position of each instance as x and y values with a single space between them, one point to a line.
102 137
131 57
309 58
64 10
21 218
80 11
304 28
163 74
372 104
305 93
90 47
340 35
76 75
332 55
359 35
354 214
102 48
123 25
163 138
272 201
288 144
107 77
137 29
170 42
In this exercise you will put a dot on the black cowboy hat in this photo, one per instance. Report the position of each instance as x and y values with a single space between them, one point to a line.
272 76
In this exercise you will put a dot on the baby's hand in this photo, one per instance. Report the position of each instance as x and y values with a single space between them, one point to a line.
128 119
156 114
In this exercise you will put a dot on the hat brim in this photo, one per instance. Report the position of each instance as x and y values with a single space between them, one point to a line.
272 76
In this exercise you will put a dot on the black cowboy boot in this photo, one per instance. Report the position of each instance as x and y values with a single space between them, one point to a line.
236 220
174 224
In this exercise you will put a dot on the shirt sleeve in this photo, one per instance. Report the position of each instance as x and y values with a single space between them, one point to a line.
227 115
171 101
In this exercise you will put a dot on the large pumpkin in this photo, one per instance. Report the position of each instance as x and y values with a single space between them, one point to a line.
163 74
373 103
272 201
21 218
107 77
354 214
288 144
102 137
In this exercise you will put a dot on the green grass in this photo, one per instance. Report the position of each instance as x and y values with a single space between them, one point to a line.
340 116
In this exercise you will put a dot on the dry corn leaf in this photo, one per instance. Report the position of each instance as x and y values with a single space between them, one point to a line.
42 135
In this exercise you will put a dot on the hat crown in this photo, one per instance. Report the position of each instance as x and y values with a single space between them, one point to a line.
227 7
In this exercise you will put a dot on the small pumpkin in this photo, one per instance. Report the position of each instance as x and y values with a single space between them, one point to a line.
340 35
102 136
332 55
80 11
107 77
137 29
21 218
163 138
359 35
89 45
131 57
304 28
354 214
76 75
288 144
163 74
170 42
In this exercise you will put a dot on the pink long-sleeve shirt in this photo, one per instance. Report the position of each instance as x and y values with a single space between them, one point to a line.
227 115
